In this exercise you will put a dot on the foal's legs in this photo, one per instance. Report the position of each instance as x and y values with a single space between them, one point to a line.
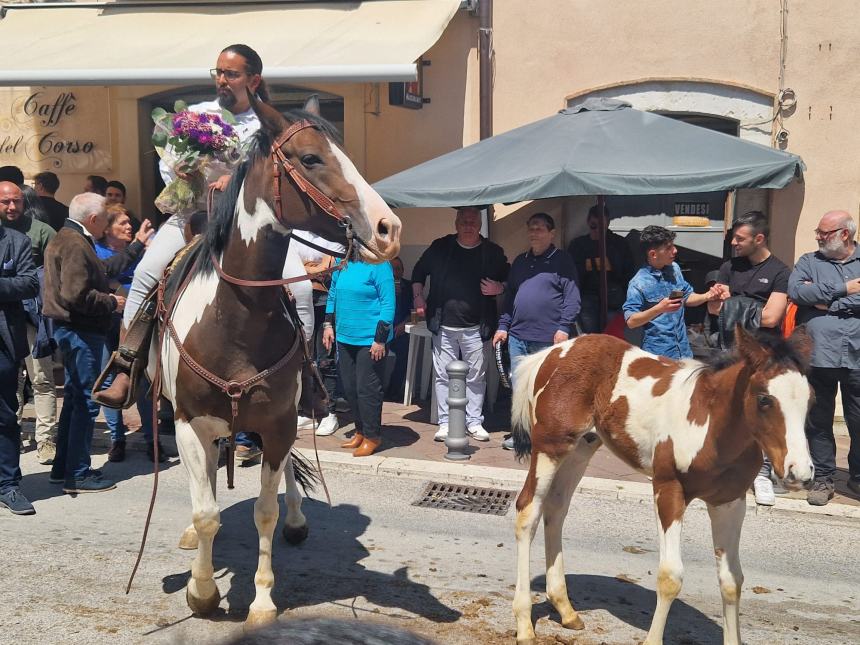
556 506
295 525
670 506
200 454
726 523
263 610
542 470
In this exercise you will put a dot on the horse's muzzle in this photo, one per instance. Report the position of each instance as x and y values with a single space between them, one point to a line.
798 476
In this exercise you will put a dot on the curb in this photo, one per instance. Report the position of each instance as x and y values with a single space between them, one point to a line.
508 478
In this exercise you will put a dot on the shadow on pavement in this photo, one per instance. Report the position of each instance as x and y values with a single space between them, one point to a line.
633 605
37 487
326 568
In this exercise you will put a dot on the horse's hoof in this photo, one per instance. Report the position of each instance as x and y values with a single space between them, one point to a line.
260 617
203 606
295 535
189 539
575 623
526 641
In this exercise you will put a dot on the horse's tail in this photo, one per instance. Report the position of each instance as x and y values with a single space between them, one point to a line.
523 399
304 471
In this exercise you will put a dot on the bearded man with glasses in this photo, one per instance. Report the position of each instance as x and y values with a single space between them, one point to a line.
826 287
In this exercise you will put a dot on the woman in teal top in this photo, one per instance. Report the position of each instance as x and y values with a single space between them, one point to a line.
360 314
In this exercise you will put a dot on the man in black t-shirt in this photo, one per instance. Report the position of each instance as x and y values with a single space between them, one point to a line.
47 184
620 267
756 273
466 273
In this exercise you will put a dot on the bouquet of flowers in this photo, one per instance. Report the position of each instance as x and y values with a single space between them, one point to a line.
199 147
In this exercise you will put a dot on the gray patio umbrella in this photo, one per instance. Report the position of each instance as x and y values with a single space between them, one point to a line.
599 147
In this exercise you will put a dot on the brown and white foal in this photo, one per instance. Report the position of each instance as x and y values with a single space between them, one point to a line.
697 430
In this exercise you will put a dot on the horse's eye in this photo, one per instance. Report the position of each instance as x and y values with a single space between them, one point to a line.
309 161
764 401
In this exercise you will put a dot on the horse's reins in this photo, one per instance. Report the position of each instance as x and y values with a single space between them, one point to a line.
237 389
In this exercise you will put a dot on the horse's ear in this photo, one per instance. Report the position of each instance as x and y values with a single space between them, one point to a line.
801 341
747 347
271 120
312 105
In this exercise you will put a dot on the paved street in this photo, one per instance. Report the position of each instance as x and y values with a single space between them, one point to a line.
446 574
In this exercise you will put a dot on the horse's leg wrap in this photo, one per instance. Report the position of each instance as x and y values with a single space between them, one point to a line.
129 361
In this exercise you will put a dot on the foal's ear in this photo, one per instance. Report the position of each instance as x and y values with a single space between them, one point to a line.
271 120
312 105
747 346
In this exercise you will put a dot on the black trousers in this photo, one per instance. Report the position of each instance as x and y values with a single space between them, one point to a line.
819 421
10 431
361 377
326 359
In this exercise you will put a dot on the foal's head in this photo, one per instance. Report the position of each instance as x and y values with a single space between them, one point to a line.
776 400
318 158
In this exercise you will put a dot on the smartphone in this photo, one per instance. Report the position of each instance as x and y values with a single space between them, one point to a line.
676 294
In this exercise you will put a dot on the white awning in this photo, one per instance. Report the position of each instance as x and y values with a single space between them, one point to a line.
173 42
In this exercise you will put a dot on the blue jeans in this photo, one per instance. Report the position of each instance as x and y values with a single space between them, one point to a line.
82 359
10 431
518 349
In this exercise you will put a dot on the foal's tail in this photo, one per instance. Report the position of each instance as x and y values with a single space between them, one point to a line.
305 472
523 399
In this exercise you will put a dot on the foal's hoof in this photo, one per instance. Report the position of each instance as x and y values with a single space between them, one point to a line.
188 540
260 617
527 641
295 535
203 606
574 623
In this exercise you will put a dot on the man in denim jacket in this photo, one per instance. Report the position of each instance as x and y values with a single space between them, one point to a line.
656 294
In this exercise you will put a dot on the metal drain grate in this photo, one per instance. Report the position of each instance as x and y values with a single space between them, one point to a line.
472 499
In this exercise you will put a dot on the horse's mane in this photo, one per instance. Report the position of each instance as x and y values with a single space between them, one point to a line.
781 351
258 148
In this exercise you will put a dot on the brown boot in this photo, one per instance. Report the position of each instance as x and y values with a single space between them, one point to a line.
367 447
355 442
115 395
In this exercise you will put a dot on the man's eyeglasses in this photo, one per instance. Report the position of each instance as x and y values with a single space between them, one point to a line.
229 74
819 233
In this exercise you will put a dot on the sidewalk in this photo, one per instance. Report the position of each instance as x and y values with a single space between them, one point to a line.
408 445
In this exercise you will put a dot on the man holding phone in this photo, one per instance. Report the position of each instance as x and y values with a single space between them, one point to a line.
656 294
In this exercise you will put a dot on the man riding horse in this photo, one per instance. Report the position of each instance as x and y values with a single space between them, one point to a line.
238 72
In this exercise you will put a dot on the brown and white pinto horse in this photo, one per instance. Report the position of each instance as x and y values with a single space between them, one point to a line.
236 332
698 431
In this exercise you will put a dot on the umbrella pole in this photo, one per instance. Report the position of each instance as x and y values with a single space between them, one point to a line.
604 285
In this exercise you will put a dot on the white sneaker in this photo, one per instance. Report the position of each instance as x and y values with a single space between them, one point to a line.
441 433
763 488
305 423
327 426
478 433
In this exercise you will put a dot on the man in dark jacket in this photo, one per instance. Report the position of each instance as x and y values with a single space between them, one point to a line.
465 272
18 282
77 297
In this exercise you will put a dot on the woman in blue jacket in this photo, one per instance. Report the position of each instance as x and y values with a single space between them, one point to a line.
360 314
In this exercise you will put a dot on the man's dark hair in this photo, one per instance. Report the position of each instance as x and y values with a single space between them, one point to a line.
546 218
253 65
33 207
757 221
13 174
48 180
653 237
99 183
594 211
116 184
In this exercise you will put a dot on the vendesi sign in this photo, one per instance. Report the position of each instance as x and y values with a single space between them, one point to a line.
59 129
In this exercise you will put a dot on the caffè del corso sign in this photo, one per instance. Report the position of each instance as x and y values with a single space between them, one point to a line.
66 130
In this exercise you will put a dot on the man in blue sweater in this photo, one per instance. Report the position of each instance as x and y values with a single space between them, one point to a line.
542 298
